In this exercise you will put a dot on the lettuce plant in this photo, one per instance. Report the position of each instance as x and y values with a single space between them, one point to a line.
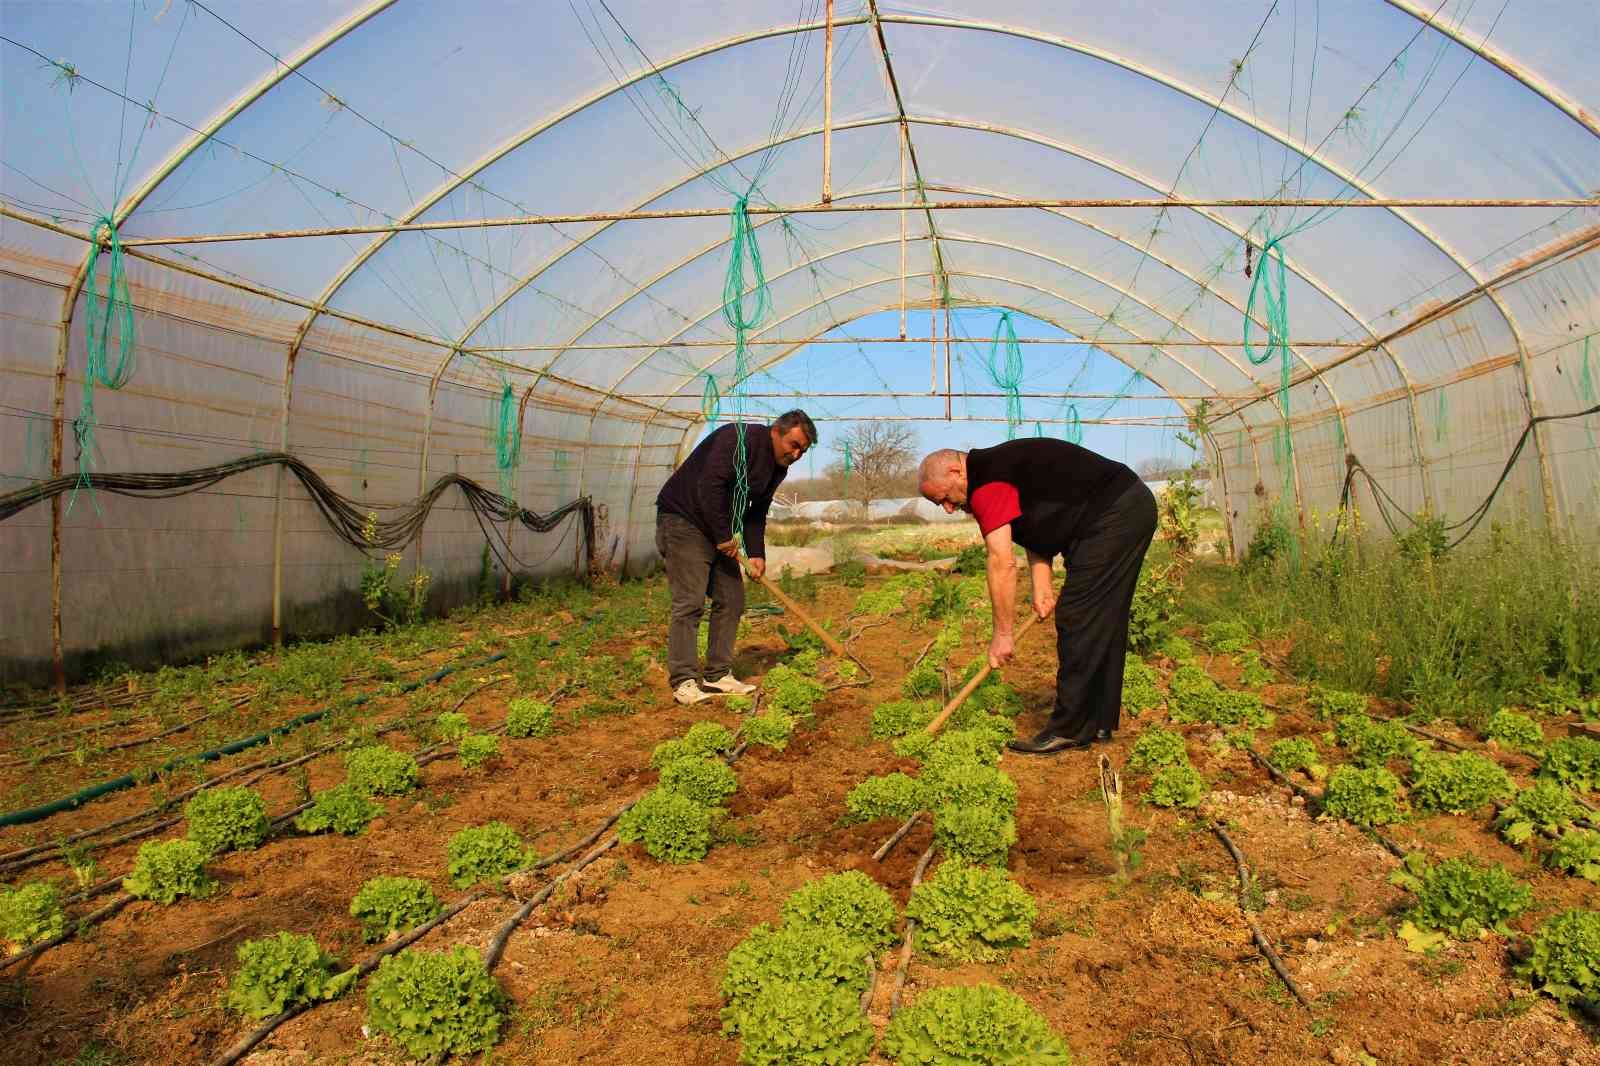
851 902
968 912
387 905
1545 807
30 914
483 853
672 827
226 819
974 833
475 749
769 730
887 796
341 809
1565 961
380 771
278 972
980 1025
1577 853
527 718
704 780
1177 785
1365 797
166 869
702 739
1461 897
436 1003
1457 783
789 954
1156 748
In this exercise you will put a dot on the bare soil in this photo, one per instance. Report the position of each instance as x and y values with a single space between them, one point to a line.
623 964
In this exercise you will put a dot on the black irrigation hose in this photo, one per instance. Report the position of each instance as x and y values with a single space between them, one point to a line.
1476 515
116 784
346 517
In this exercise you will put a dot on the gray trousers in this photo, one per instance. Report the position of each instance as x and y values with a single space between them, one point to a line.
695 569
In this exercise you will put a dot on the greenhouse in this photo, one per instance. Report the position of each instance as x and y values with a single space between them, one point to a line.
386 386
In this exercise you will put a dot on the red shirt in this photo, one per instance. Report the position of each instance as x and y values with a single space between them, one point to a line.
994 505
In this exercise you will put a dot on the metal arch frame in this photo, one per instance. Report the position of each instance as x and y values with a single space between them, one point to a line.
1532 81
663 408
1181 272
1338 171
282 70
1216 451
1023 284
1310 279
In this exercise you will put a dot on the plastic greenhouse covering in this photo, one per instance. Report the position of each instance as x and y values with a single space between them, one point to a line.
541 246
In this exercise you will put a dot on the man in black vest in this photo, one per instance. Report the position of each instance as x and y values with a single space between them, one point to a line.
694 534
1055 498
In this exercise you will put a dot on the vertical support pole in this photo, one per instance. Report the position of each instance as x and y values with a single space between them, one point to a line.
827 111
902 215
58 420
947 386
933 334
427 442
277 498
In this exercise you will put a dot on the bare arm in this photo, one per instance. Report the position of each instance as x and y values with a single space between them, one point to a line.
1002 574
1039 572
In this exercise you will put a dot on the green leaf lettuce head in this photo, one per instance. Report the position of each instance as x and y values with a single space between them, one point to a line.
805 1023
341 809
484 853
1458 783
1574 762
387 905
1365 797
898 718
789 954
702 738
672 827
226 819
706 781
1565 961
477 748
975 834
851 903
887 796
442 1003
1577 853
527 718
30 914
969 912
1546 807
1515 731
1461 897
1156 748
769 730
1178 785
380 771
980 1025
166 869
278 972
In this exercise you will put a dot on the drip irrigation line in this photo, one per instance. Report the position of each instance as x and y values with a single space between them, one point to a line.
347 518
77 799
908 933
243 1046
1385 500
502 937
1262 943
1314 799
899 835
91 919
63 753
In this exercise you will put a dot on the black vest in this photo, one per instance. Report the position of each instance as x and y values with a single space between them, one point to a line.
1061 486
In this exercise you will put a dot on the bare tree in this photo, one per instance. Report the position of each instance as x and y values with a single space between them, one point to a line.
880 456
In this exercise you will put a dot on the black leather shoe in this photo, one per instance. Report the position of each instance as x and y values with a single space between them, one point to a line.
1047 745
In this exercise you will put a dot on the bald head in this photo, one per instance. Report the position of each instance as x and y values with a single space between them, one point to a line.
942 479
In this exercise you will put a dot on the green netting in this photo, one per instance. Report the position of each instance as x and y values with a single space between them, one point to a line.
1004 364
745 302
106 314
507 439
1270 294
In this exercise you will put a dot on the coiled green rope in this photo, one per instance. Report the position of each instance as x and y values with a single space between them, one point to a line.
1004 364
105 313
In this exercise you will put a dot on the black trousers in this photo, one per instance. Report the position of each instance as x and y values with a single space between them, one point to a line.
1092 614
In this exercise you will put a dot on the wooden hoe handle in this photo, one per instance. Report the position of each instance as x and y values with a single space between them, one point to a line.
977 679
795 609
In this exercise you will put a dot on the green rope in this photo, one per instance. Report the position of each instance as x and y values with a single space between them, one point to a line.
711 400
508 440
1074 431
849 467
104 312
1005 369
1269 291
745 302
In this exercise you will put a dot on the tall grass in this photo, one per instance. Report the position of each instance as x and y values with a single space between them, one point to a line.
1492 622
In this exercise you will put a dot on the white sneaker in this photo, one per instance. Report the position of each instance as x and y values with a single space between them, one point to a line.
690 692
729 684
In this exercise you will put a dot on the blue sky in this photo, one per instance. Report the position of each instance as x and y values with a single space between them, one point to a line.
1051 368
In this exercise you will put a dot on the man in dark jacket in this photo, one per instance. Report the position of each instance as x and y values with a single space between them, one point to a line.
1055 498
695 536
